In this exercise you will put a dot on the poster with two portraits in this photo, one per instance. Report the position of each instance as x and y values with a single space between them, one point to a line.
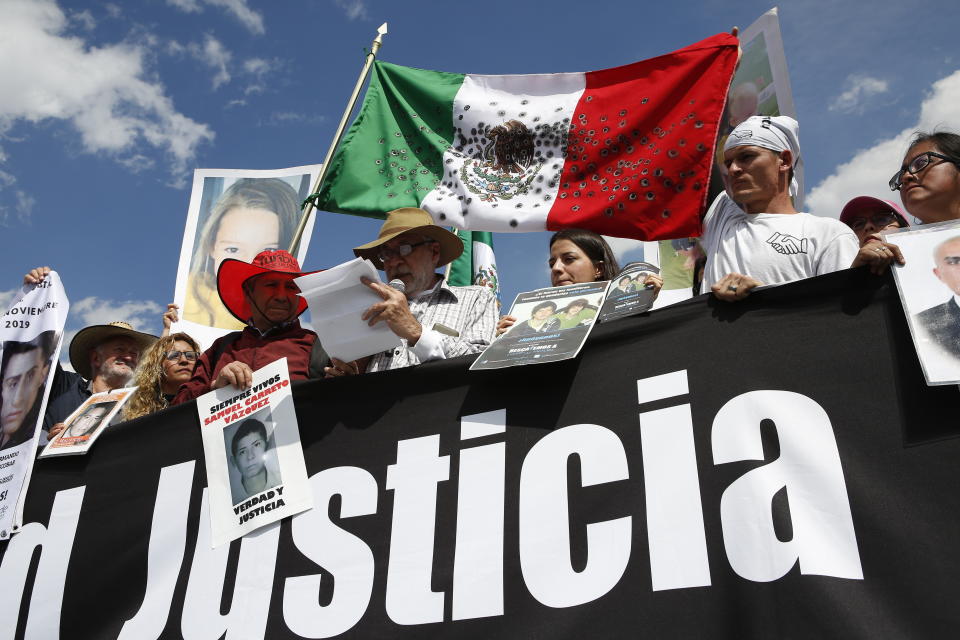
234 213
929 287
31 330
256 473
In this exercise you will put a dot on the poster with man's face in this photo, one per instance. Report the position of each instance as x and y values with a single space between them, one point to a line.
252 455
929 286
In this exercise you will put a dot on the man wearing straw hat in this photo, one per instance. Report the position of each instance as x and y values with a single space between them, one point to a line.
433 319
262 294
104 357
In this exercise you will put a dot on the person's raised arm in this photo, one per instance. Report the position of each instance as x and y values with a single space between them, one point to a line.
36 276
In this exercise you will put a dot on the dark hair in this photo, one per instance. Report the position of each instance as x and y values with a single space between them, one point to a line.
622 278
579 302
544 305
948 143
248 426
44 341
596 248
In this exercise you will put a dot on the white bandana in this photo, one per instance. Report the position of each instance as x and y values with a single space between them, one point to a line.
777 133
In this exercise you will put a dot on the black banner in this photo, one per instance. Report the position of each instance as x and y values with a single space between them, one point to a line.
773 468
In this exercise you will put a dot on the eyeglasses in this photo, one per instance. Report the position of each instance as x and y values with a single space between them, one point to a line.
916 165
879 220
191 356
400 251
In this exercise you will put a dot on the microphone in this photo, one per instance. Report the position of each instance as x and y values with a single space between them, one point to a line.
397 284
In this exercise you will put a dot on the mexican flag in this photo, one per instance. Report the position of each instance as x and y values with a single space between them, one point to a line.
476 265
625 152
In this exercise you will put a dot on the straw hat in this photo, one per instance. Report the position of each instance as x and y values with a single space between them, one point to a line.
411 219
233 273
89 337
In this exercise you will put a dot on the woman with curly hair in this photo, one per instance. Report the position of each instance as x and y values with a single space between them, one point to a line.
163 368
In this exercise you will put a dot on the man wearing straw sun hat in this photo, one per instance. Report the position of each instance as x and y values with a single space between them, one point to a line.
433 320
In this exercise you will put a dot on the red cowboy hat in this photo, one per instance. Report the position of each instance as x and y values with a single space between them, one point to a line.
233 273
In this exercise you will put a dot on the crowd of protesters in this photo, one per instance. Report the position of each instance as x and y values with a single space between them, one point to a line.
752 236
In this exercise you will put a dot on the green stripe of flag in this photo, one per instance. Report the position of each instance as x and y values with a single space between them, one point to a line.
477 264
405 124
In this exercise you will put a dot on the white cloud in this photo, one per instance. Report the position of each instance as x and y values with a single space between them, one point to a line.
143 315
85 19
868 171
217 57
859 90
353 8
259 68
103 92
14 203
189 6
6 298
113 10
239 9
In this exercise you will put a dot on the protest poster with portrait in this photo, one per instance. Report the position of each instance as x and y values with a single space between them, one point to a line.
31 331
628 295
87 423
929 286
256 473
234 213
552 325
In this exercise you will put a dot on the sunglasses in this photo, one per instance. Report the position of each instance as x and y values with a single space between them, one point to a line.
879 220
191 356
915 166
400 251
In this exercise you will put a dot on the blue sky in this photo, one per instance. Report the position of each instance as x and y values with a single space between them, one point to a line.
107 107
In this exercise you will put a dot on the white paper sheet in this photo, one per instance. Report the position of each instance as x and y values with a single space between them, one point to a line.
337 299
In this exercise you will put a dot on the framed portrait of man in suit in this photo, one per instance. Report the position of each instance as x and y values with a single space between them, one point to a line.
929 287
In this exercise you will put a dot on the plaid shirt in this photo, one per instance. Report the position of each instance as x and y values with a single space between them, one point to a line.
470 311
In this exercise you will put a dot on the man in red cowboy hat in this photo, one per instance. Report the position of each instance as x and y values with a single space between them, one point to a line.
433 319
104 357
263 295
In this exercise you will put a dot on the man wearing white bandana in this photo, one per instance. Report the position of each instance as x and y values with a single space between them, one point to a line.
753 234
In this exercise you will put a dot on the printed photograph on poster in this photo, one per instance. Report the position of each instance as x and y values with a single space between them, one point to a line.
253 456
628 294
87 423
552 325
31 332
234 213
256 474
24 369
929 287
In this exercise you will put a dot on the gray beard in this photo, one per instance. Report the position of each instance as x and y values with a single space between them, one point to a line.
114 379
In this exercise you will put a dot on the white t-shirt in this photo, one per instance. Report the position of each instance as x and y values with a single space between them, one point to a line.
772 247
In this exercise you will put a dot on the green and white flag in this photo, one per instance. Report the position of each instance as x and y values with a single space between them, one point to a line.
476 265
624 152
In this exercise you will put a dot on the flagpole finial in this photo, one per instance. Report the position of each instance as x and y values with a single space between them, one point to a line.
382 31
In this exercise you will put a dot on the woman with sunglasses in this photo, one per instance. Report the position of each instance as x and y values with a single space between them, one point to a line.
165 366
929 179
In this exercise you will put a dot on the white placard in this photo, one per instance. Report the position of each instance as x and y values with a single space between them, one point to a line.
929 286
31 331
251 444
87 422
337 299
234 213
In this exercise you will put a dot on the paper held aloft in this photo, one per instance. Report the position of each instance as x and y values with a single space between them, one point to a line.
337 299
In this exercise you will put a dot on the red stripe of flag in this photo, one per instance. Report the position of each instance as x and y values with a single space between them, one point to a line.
641 143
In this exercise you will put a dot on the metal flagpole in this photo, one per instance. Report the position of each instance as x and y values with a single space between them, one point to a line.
310 204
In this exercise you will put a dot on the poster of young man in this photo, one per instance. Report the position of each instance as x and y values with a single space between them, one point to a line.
251 444
234 213
929 286
552 325
30 333
628 295
87 423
